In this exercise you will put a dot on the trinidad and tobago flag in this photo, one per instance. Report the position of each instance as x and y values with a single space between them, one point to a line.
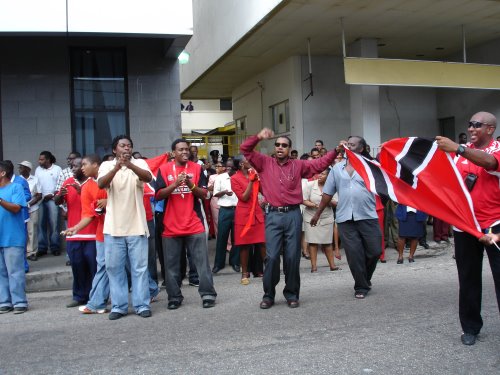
414 172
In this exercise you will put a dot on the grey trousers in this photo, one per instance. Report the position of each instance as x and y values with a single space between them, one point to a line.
362 242
172 250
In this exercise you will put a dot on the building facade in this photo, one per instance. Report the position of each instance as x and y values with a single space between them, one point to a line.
74 74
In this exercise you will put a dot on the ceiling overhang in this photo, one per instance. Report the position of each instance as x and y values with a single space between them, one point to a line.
405 29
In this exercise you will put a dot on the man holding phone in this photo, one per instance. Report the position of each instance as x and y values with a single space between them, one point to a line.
479 165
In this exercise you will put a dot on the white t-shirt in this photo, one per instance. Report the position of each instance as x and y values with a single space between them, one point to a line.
125 214
48 178
223 182
35 188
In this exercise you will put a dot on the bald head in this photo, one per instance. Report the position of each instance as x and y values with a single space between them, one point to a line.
485 117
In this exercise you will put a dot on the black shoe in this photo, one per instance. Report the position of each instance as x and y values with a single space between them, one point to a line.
20 310
208 303
56 253
425 245
266 304
41 253
68 263
5 309
194 283
468 338
383 261
75 304
33 257
400 261
173 305
216 269
145 314
115 315
236 268
411 260
293 304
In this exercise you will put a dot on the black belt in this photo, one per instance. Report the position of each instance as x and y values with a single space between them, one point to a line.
229 207
283 208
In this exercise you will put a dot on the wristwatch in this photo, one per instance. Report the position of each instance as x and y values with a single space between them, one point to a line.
460 150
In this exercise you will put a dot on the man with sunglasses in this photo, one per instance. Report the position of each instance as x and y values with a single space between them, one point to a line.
281 185
479 164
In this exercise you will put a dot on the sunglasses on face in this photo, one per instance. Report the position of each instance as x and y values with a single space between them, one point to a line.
477 124
218 166
283 145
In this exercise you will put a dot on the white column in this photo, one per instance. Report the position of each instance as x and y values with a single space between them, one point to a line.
365 105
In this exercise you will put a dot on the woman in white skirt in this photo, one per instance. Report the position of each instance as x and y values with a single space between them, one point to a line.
322 233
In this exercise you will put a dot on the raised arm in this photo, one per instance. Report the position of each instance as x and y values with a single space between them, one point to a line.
247 148
478 157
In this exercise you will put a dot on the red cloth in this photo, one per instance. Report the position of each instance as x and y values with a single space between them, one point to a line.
155 163
90 195
281 184
74 204
414 172
183 215
256 233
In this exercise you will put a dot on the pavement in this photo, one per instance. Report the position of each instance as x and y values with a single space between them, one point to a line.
50 273
408 324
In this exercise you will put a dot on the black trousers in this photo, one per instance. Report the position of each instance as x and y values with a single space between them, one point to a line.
362 241
283 230
469 257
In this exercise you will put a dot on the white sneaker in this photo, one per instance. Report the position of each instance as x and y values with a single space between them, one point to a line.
86 310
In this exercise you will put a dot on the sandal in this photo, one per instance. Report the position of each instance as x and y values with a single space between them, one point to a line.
336 268
313 270
360 295
304 255
400 261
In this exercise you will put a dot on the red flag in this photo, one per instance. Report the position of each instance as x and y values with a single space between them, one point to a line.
155 163
414 172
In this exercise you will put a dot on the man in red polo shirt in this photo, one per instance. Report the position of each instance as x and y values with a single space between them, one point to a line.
281 179
80 246
182 183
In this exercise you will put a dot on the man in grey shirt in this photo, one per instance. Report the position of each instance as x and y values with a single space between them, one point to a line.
356 218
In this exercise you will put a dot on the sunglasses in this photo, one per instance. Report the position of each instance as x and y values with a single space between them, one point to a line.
477 124
219 166
283 145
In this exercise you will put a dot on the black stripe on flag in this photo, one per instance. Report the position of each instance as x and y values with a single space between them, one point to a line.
413 159
380 183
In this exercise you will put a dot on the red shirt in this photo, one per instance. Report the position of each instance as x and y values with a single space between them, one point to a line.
486 192
183 215
74 204
148 194
90 195
281 183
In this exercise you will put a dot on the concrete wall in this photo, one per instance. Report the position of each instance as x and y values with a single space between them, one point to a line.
254 98
35 95
218 25
463 103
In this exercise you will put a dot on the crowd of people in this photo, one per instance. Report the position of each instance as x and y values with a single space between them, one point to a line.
123 214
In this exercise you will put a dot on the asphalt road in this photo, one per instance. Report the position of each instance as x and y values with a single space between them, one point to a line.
408 324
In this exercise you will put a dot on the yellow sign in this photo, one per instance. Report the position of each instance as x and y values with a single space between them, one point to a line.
386 72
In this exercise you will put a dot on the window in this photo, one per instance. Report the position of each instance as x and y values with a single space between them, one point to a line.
99 98
280 117
240 123
226 105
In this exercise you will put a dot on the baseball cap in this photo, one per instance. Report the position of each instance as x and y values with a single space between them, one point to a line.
26 164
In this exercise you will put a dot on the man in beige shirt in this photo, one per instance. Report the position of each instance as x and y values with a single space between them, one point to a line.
125 228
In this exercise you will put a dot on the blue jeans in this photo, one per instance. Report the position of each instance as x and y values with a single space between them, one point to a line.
99 294
48 222
117 251
12 277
